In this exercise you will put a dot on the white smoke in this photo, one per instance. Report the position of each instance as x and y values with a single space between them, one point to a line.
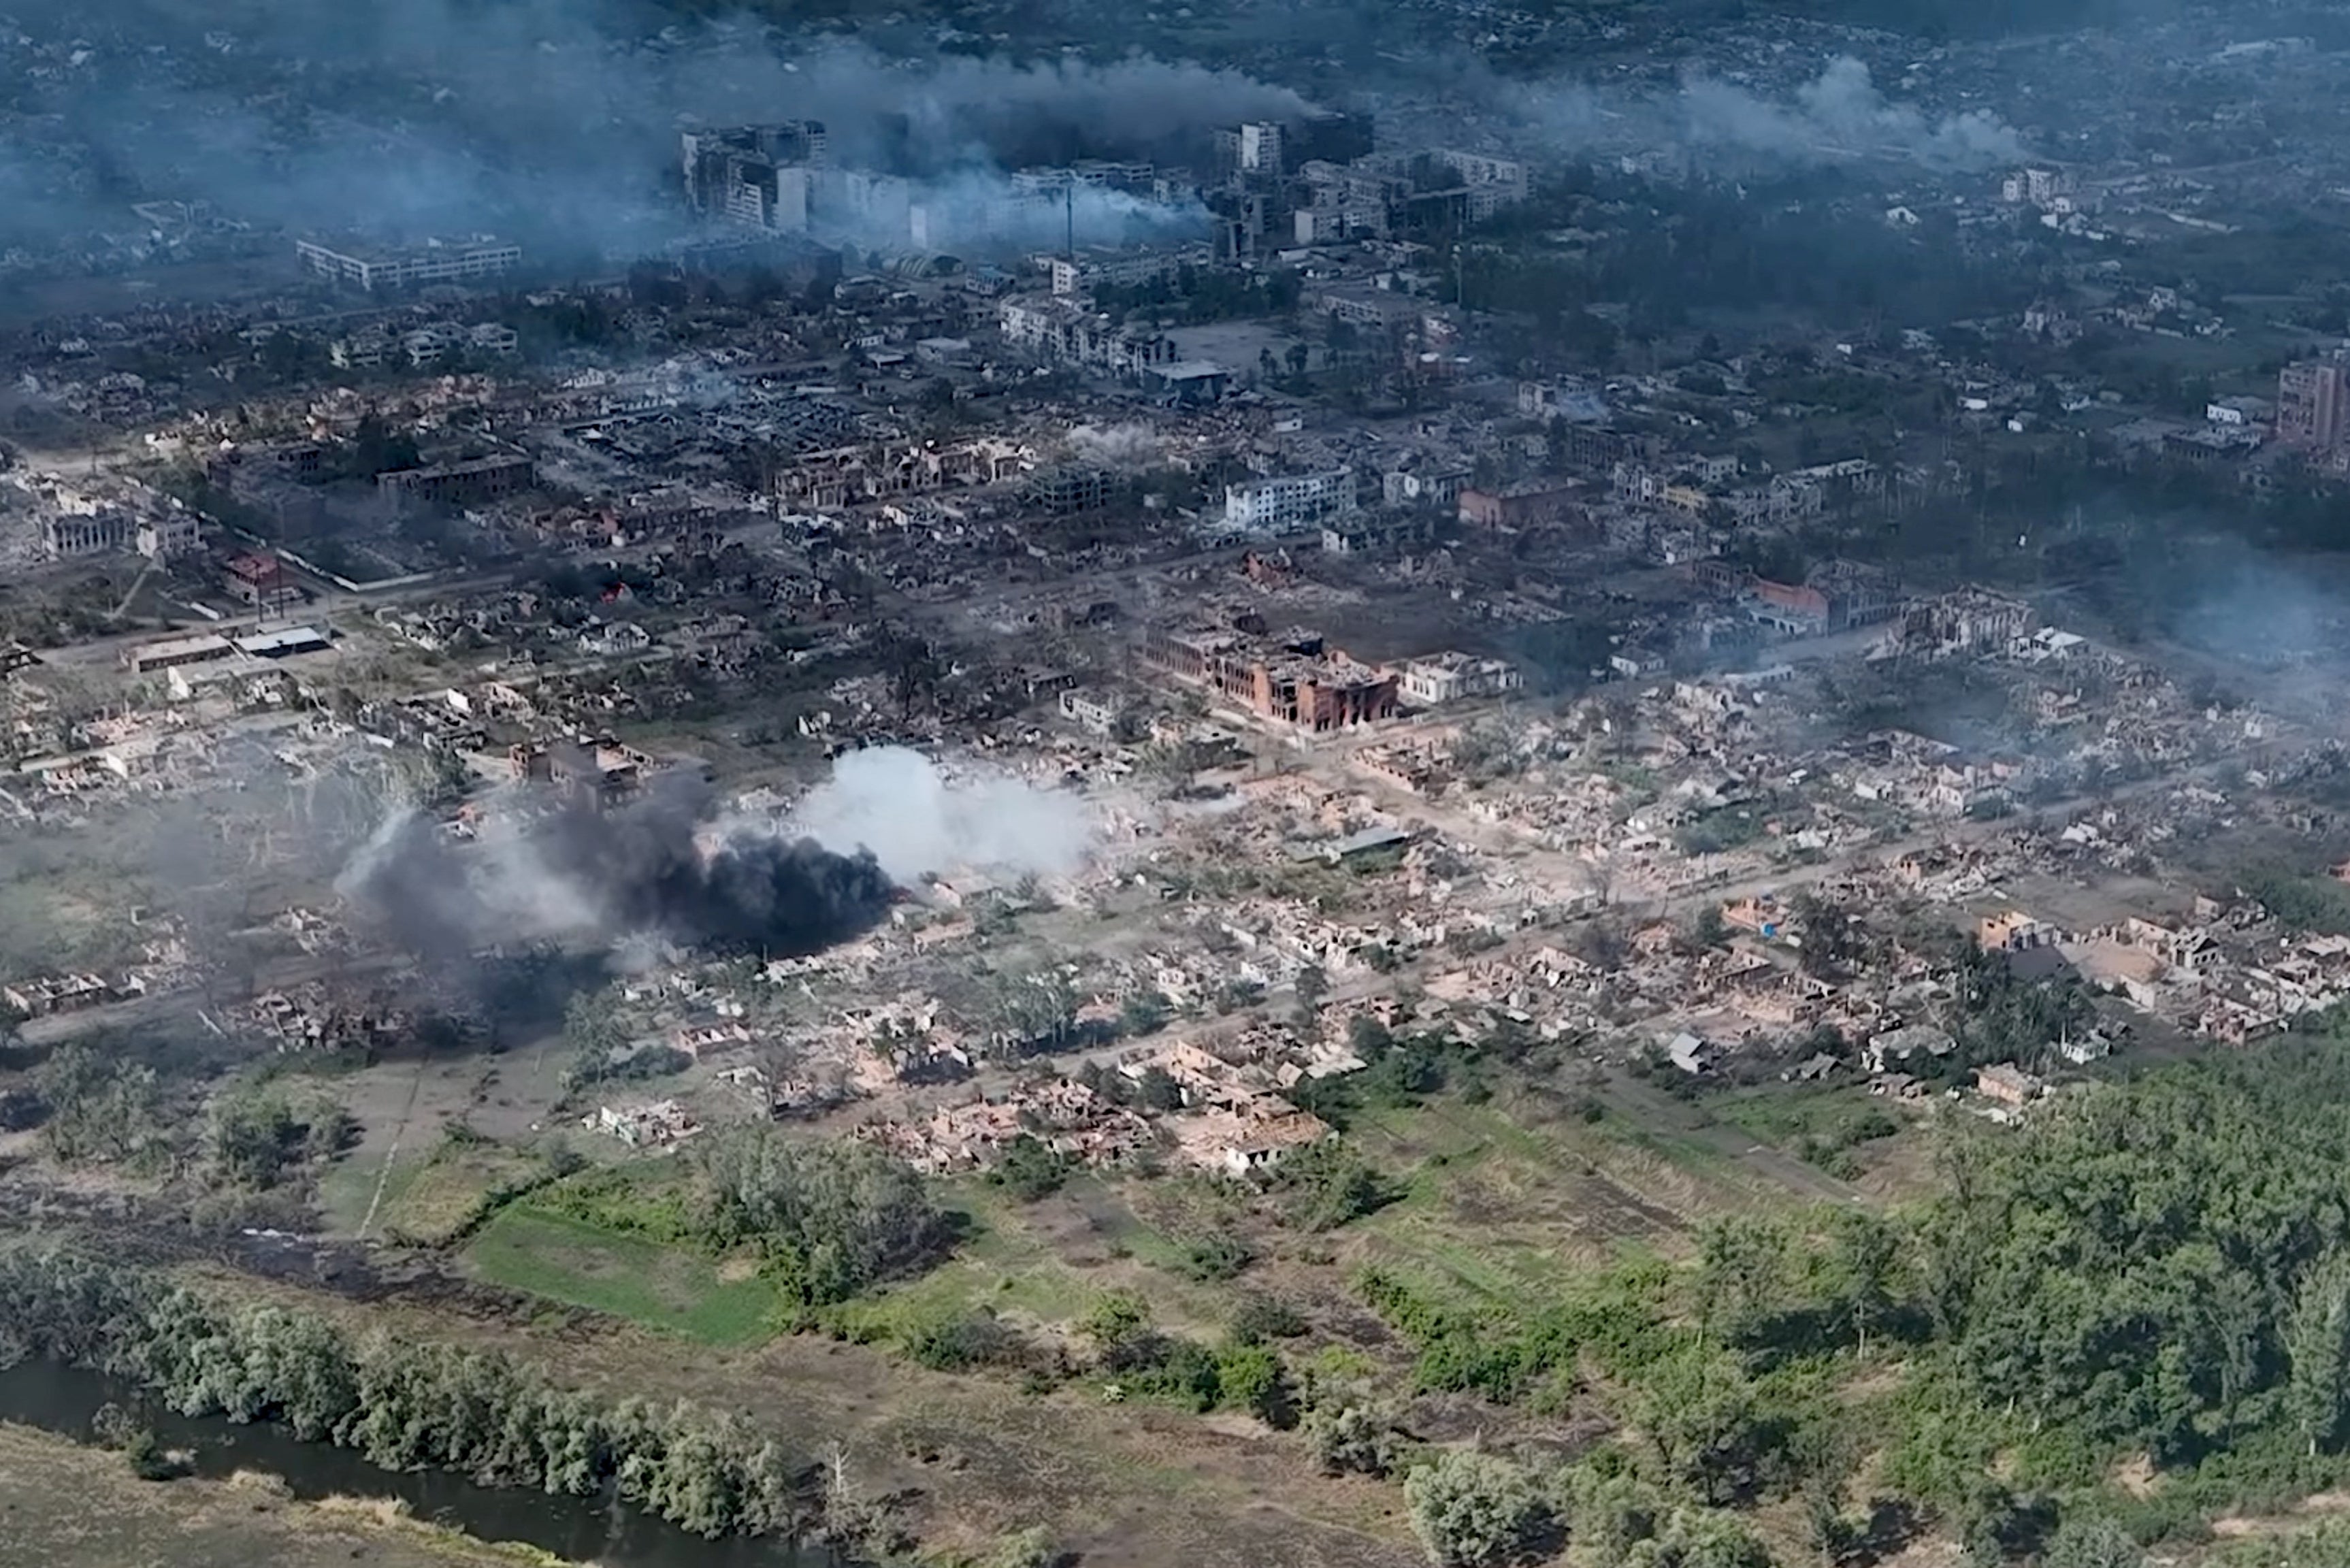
1840 113
918 822
1843 112
1116 446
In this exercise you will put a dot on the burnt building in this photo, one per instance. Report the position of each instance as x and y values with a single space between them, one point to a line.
1293 680
459 483
758 175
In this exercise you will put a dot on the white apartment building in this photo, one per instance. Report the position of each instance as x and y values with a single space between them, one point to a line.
1290 503
435 261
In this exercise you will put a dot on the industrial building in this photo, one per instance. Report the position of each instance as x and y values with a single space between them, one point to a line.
435 261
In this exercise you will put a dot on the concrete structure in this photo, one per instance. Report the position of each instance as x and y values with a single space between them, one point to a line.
844 476
1094 711
1078 487
459 484
68 535
173 530
1453 677
1116 269
435 261
257 577
1438 486
1292 504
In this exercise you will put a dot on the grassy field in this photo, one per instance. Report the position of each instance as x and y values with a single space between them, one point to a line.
1497 1210
431 1204
66 1506
662 1287
1786 1114
1043 1264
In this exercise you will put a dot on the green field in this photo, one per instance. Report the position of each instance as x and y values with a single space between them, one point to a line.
664 1287
1495 1211
1043 1264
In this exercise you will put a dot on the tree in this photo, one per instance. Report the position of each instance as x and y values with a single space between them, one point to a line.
1702 1538
1116 1321
1697 1410
2317 1342
1254 1378
1864 1255
832 1217
253 1136
1332 1183
1470 1509
1030 1548
592 1027
1144 1013
1352 1437
2091 1542
1312 984
1742 1276
101 1107
1158 1090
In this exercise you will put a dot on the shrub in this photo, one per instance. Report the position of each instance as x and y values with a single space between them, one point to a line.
1470 1509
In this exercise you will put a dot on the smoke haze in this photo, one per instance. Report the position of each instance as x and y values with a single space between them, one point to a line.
413 117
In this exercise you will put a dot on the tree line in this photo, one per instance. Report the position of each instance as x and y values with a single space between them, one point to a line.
402 1404
828 1220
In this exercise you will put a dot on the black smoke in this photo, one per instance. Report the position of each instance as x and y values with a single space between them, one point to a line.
551 864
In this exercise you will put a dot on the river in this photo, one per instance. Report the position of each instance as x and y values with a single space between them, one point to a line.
66 1400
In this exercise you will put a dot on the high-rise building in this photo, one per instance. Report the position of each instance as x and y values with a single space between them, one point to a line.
2312 411
757 175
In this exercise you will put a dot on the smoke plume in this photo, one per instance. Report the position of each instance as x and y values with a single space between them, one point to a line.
1841 113
896 805
665 864
1116 446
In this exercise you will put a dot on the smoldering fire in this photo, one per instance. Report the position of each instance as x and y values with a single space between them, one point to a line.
675 866
561 870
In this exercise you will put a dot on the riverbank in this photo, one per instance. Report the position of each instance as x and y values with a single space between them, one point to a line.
964 1458
66 1505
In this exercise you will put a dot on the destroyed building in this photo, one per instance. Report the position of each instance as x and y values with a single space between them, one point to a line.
1291 680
